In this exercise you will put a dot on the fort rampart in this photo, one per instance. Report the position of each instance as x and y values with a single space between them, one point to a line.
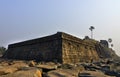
60 47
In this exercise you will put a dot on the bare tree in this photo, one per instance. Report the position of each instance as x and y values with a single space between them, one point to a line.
91 29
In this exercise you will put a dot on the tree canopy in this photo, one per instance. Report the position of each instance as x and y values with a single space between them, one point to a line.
2 50
91 28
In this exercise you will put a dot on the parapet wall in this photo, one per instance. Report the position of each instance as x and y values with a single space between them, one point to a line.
76 40
58 35
35 41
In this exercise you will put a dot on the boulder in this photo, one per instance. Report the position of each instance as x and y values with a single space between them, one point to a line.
62 73
7 70
92 74
19 65
31 63
46 68
32 72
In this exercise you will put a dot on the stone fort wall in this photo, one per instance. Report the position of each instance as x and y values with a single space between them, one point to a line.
77 50
59 47
42 49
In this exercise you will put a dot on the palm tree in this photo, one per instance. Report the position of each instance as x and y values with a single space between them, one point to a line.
91 29
109 40
112 45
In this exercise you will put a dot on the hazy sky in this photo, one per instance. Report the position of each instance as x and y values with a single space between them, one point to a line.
28 19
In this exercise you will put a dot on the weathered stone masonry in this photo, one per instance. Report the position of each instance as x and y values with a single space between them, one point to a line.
60 47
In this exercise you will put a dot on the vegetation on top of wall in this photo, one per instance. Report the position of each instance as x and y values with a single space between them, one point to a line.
2 50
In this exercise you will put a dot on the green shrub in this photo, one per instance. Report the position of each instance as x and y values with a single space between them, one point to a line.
2 50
